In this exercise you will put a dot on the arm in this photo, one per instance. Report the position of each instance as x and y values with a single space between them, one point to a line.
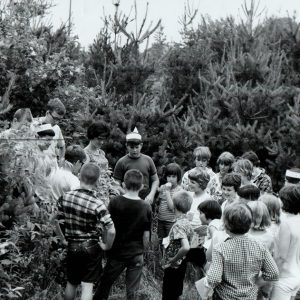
169 200
61 147
146 239
284 237
154 187
185 247
58 230
110 237
215 273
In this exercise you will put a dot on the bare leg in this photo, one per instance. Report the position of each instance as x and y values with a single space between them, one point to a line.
70 291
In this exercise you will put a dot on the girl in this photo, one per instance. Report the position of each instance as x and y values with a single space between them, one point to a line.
244 167
224 164
166 214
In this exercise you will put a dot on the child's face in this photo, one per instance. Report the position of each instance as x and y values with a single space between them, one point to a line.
201 162
194 186
172 179
228 192
134 150
224 167
203 218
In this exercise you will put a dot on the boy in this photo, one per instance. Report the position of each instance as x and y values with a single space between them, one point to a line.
230 185
238 262
84 215
132 217
248 193
136 160
180 237
55 112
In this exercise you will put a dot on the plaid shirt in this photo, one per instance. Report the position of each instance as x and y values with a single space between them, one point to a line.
84 215
236 264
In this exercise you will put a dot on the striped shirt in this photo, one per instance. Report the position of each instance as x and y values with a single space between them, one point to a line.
84 215
164 212
236 264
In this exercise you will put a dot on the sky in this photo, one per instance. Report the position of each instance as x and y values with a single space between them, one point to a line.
87 15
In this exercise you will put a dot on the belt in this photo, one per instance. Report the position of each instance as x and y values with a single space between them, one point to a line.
84 244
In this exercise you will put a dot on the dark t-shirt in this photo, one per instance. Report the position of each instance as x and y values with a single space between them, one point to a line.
131 219
143 163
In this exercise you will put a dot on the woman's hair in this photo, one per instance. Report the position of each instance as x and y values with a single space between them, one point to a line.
237 218
211 209
98 129
23 115
274 206
201 177
75 153
182 201
290 197
244 167
203 152
260 215
252 156
173 169
226 158
232 179
249 192
57 106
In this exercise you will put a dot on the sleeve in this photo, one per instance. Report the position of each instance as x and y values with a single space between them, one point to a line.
179 233
103 216
119 171
152 167
185 181
60 138
269 268
266 184
215 272
148 219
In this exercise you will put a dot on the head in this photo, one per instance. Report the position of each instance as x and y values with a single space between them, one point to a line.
244 167
292 176
97 132
252 156
224 163
230 184
173 174
248 192
134 143
202 156
209 210
44 134
237 218
182 201
55 111
274 206
22 117
76 156
133 180
290 198
89 174
260 215
198 180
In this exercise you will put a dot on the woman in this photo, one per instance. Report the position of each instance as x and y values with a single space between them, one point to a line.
224 163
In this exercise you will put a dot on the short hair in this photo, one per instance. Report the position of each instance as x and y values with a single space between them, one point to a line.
98 129
89 173
290 198
249 192
173 169
133 180
201 177
23 115
182 201
273 204
202 151
252 156
211 209
244 166
75 153
237 218
260 215
226 157
232 179
57 106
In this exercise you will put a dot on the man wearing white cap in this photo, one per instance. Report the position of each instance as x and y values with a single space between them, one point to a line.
136 160
292 176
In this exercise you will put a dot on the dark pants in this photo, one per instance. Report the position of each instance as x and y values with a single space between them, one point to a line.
173 282
112 271
216 297
196 256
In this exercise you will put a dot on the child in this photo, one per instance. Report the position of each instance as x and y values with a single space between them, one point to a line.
166 214
224 164
248 193
180 236
244 167
132 218
237 262
230 184
83 215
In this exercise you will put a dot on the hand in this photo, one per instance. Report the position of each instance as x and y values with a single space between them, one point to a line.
64 242
103 245
149 198
168 186
201 230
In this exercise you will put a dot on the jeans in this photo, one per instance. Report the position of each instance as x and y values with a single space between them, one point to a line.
112 271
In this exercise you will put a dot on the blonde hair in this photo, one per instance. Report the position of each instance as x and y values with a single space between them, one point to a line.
202 151
260 215
244 166
274 206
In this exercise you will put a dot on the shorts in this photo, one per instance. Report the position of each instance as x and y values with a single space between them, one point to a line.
84 261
